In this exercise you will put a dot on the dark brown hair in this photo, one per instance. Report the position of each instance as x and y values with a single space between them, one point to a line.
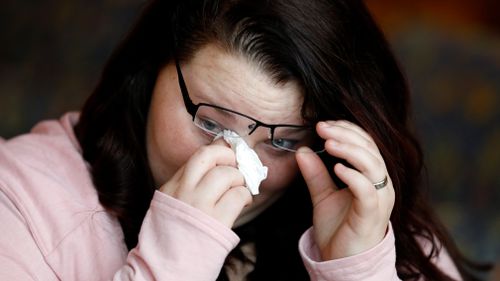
338 56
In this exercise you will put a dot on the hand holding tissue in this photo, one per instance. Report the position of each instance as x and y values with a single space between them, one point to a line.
247 160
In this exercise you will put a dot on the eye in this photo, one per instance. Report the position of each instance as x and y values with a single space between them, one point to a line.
287 144
209 125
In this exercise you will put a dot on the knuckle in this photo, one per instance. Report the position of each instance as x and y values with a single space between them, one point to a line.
220 172
378 163
243 194
370 144
203 151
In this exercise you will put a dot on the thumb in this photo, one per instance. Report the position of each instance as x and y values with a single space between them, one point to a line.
315 174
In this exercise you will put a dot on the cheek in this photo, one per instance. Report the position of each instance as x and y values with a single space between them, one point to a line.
170 140
166 153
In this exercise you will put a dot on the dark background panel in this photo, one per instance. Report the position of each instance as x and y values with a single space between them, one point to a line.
52 52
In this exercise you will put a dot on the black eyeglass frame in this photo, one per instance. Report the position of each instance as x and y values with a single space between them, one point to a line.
193 108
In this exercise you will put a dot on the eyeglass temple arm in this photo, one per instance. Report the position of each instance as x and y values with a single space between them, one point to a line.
190 106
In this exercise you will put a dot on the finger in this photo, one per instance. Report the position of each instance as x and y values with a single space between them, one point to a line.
230 205
349 125
216 182
204 159
315 174
346 135
360 187
360 158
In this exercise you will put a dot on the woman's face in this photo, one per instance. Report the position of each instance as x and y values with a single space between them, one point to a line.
216 77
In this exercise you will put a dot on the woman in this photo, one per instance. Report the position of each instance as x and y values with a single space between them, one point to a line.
136 187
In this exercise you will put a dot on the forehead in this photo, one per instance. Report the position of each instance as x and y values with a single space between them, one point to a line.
231 80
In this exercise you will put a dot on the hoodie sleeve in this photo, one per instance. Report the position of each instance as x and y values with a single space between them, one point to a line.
177 242
54 228
192 246
377 263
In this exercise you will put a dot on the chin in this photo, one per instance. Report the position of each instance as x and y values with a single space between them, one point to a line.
260 203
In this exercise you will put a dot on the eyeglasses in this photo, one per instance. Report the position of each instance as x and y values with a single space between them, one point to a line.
214 119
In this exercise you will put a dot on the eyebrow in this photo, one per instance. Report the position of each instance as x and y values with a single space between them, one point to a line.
208 96
226 113
295 131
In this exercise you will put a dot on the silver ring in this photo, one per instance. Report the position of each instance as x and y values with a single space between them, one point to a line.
381 184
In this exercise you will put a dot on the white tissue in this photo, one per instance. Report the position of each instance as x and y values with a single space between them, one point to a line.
247 160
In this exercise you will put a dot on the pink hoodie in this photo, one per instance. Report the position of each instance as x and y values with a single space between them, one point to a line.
54 228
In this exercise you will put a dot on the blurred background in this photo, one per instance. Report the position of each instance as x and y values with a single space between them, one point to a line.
52 51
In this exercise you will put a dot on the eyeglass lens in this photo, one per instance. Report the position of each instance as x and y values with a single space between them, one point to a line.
214 120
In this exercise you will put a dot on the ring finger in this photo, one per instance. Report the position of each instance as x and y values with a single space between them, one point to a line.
345 135
371 166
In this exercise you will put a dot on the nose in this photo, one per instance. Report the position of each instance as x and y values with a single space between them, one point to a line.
258 135
252 141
